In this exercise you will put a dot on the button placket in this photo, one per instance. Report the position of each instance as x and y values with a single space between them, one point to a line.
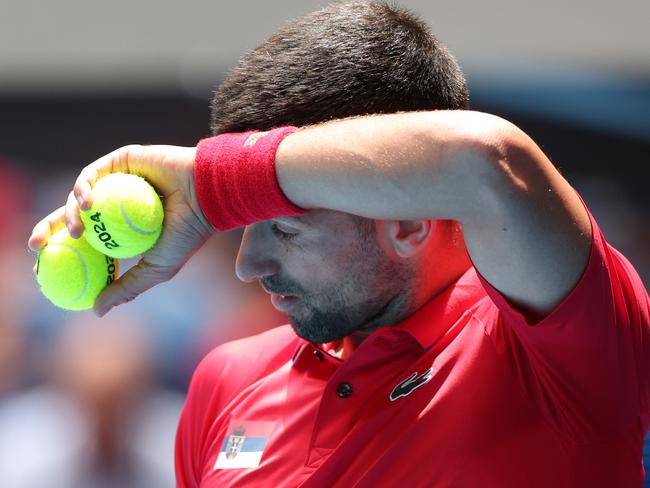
349 386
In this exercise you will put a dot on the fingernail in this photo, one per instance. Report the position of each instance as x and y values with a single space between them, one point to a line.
84 204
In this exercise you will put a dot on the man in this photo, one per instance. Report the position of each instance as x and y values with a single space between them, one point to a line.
456 316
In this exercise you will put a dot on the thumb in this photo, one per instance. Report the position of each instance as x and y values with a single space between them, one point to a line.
135 281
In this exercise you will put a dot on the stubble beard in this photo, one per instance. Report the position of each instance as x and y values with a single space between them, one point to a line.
353 306
333 324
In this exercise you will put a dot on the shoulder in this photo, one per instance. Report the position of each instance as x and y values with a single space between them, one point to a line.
225 372
234 365
276 344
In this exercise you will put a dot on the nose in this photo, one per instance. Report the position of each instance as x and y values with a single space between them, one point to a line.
255 258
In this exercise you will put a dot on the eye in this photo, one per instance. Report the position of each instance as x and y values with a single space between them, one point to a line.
285 236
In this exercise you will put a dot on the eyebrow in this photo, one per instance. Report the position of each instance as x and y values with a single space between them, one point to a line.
291 220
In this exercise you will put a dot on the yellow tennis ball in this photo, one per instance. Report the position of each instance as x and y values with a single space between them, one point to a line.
71 273
126 216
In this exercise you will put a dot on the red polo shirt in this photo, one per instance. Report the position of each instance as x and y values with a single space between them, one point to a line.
464 393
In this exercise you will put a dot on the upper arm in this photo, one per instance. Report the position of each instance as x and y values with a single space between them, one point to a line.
529 234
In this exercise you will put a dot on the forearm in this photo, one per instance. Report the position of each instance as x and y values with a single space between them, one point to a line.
408 165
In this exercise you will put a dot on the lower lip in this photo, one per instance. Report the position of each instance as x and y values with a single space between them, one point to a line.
283 304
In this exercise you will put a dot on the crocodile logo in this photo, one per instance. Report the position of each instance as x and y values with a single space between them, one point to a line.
411 383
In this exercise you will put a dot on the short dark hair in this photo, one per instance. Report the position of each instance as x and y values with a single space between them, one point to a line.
348 59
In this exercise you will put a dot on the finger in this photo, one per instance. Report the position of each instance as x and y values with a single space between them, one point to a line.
45 228
112 162
83 186
72 218
135 281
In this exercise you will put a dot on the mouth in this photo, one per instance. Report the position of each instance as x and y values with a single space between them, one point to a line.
283 303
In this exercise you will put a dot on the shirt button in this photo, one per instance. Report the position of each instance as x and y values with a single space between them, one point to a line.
344 390
319 355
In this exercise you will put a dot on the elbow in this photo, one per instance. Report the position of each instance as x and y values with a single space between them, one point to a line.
474 135
491 137
493 163
507 155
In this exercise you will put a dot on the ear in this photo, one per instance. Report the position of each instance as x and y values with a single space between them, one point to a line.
406 237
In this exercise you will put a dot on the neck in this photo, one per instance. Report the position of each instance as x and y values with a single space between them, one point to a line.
401 306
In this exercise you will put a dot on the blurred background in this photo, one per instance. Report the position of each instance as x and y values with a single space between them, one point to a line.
94 403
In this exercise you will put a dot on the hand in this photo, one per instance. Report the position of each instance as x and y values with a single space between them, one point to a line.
170 169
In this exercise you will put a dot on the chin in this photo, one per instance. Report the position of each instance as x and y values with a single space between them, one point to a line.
310 335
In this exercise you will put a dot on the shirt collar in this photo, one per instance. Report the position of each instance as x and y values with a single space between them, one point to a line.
428 324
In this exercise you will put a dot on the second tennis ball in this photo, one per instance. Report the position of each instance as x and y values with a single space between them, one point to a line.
126 216
71 273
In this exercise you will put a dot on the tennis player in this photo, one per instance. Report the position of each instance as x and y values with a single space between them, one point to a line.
457 318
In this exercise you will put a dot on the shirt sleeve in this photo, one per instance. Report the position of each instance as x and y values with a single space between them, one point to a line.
587 363
201 405
220 375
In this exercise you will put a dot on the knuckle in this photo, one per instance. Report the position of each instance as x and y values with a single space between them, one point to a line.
86 170
130 151
76 189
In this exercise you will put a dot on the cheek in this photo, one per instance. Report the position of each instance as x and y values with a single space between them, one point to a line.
320 269
330 260
355 277
316 274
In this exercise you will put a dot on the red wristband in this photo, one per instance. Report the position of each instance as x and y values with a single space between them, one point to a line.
235 179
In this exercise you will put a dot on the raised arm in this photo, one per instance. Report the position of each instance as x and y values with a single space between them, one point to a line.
526 230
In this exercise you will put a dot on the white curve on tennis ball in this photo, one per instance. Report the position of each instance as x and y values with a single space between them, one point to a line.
130 222
83 263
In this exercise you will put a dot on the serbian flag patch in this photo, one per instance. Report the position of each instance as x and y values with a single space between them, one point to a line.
244 444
